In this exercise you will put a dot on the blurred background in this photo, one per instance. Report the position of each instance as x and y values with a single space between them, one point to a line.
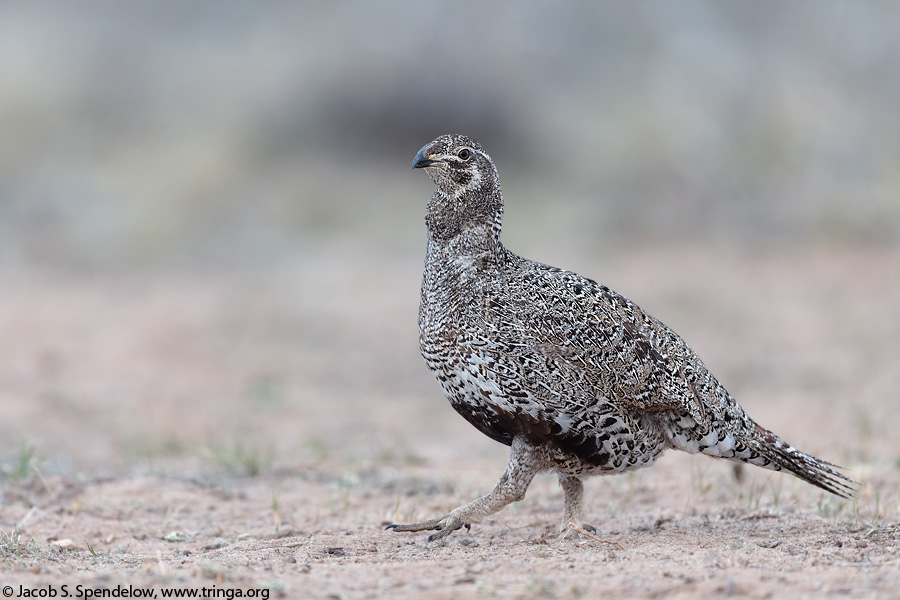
211 239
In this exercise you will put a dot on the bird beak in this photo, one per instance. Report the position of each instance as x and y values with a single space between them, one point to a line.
421 159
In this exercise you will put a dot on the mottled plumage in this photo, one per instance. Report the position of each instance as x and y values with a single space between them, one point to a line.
576 378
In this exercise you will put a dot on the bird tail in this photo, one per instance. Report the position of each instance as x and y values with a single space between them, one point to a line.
771 452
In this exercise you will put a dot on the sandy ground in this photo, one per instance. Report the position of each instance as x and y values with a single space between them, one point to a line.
255 434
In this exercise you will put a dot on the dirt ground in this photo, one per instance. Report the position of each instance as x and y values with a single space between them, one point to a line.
255 434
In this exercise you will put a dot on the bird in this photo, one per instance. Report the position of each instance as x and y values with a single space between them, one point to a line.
574 377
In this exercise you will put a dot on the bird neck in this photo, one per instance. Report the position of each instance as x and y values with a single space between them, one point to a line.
470 223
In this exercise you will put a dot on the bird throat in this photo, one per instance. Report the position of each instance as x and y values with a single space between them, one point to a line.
471 222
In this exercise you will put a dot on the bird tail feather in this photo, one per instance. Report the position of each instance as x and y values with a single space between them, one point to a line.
774 453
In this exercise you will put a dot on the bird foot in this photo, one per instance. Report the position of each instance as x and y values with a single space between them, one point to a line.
444 525
570 525
587 531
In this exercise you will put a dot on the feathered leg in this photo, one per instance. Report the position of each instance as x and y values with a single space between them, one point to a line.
524 464
573 489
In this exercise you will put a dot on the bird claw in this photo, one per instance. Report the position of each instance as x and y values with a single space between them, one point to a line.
587 531
449 528
420 526
443 525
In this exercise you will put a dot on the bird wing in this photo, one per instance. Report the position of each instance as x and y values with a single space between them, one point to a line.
581 342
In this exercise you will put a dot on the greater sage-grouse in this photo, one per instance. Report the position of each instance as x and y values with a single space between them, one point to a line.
574 377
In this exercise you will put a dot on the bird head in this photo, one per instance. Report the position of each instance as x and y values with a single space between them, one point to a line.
457 164
468 199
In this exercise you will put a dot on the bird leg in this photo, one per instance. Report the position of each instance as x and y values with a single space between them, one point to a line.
573 490
524 464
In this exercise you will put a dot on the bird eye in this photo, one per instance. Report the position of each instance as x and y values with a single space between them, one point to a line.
464 154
